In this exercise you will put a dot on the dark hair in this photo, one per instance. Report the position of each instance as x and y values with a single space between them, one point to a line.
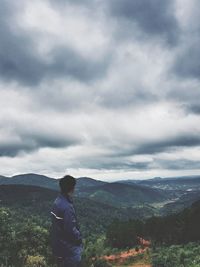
67 183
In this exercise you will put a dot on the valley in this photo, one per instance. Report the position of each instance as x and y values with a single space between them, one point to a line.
155 196
102 208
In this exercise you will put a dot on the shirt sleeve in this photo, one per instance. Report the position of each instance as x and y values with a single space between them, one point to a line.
70 226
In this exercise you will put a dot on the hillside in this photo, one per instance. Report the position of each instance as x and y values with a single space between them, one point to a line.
38 201
119 194
182 191
147 197
31 179
179 228
87 182
116 194
185 201
172 183
46 182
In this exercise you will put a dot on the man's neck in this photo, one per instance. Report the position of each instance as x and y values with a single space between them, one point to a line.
67 195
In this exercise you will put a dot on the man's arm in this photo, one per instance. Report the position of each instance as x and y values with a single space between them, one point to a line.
70 227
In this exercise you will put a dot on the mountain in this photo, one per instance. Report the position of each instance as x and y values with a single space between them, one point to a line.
84 182
185 201
165 194
31 179
172 183
119 194
47 182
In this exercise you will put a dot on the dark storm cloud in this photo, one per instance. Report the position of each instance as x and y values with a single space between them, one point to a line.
194 109
159 146
191 108
125 97
74 2
180 164
104 163
154 17
30 142
121 166
172 143
187 64
20 62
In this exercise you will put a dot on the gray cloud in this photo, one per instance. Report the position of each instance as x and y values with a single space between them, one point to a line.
154 147
90 107
181 164
191 108
117 163
124 97
32 141
154 17
194 109
170 144
19 60
64 3
187 64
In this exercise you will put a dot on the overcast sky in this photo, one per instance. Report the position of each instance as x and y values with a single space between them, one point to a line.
103 88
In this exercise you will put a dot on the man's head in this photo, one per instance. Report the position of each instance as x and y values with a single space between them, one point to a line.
67 184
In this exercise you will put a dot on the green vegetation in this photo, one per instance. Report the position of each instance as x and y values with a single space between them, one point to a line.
94 217
177 256
25 226
174 229
25 241
124 234
123 195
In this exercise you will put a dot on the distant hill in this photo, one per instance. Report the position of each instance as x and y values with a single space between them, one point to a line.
31 179
172 183
185 201
171 194
86 181
45 181
119 194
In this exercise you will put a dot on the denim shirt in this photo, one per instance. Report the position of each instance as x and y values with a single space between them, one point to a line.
66 238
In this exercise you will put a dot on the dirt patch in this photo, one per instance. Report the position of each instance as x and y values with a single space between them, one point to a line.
139 265
123 256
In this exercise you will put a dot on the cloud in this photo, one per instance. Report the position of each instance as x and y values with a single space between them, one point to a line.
187 61
186 64
103 162
102 87
153 17
194 109
181 164
21 62
25 142
84 3
170 144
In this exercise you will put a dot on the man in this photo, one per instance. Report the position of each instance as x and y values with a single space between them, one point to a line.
65 235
